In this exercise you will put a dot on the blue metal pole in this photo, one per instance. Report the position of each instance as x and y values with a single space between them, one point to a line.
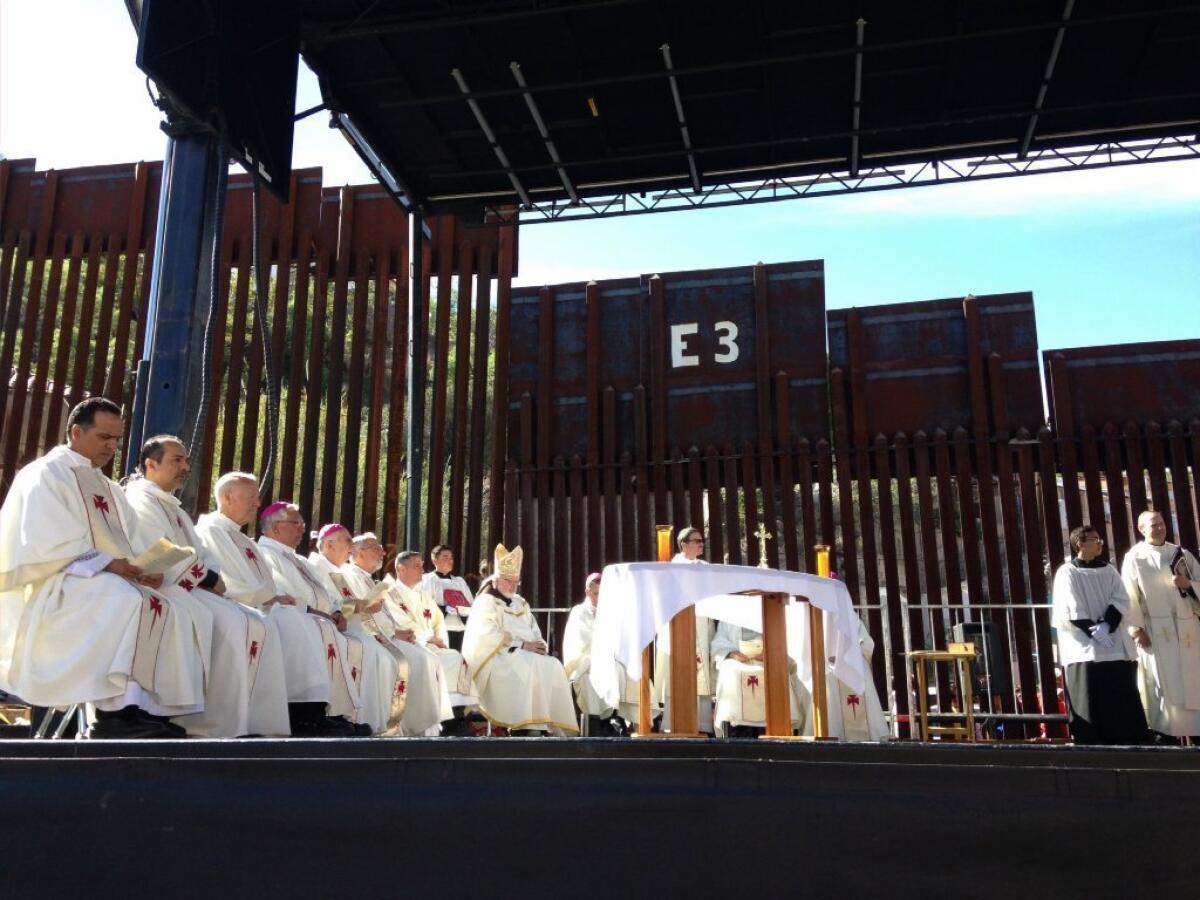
170 375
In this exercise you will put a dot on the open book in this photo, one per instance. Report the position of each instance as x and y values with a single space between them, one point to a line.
455 599
161 556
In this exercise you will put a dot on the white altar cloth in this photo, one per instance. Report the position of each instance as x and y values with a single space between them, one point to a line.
637 599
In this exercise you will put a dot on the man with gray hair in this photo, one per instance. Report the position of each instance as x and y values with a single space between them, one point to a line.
426 704
250 580
1162 580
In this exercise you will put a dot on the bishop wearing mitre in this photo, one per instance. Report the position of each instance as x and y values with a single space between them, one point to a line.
79 620
246 691
520 686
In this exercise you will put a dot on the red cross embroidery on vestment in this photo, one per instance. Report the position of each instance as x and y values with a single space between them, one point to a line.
752 681
250 554
346 593
852 700
427 613
198 571
330 653
156 608
100 503
354 673
253 649
186 585
401 687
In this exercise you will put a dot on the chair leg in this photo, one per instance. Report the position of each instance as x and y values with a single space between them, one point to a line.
67 715
81 723
44 725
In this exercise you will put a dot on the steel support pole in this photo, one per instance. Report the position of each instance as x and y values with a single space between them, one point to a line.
414 435
171 371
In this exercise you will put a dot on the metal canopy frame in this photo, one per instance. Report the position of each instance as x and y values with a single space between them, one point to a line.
1108 154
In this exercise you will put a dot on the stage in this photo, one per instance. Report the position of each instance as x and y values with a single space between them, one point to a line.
593 817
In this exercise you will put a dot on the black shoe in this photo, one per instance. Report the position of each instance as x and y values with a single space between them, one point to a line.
176 730
362 729
339 726
457 727
130 724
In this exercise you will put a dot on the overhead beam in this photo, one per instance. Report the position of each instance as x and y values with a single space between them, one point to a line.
541 127
491 137
1068 7
782 59
860 26
680 117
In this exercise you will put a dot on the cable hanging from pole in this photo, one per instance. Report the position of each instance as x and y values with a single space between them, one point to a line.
262 283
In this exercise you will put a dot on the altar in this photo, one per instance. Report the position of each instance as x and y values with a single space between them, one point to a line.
638 599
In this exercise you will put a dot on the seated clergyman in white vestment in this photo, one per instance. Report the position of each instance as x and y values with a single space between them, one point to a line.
378 672
604 720
420 688
1163 583
740 707
250 580
520 687
414 610
80 622
450 592
282 528
691 548
246 692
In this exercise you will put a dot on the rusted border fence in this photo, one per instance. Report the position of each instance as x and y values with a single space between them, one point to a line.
74 278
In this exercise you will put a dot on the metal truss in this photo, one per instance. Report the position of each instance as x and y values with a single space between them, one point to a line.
877 178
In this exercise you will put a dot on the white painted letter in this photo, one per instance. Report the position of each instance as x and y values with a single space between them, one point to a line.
679 357
727 340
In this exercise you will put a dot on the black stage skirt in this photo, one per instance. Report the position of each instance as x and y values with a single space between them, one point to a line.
1105 707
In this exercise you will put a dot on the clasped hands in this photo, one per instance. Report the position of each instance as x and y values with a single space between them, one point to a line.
126 569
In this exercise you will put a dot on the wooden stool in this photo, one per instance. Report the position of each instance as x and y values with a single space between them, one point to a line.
962 654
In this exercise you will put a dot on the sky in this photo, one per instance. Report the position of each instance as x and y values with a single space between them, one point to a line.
1111 256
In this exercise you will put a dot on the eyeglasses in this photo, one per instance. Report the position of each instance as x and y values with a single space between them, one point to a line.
1092 540
298 522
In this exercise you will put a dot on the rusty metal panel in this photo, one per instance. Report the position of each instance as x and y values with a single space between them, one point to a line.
909 369
1156 380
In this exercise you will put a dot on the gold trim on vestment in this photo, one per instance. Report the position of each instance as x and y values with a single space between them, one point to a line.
510 727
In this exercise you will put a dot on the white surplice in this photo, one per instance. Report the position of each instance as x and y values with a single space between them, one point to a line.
70 632
856 715
426 700
577 663
1169 670
741 696
437 585
518 689
246 692
379 673
250 581
295 576
416 611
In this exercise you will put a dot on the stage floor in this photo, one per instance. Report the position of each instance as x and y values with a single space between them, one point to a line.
593 817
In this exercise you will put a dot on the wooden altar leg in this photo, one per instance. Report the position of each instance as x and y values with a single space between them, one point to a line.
820 698
775 666
685 721
645 715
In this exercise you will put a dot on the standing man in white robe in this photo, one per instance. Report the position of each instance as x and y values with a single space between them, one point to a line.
80 623
1160 578
450 592
740 705
1090 609
282 528
250 581
426 703
246 692
855 716
414 610
521 688
379 672
604 720
690 542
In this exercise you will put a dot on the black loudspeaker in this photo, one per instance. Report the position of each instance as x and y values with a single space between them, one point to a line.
988 672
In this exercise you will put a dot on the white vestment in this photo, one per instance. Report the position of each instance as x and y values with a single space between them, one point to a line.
1169 670
577 663
741 689
414 610
438 587
379 673
249 580
426 701
518 689
295 576
246 691
71 632
855 715
704 667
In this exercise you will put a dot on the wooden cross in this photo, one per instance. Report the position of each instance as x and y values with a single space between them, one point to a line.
763 537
